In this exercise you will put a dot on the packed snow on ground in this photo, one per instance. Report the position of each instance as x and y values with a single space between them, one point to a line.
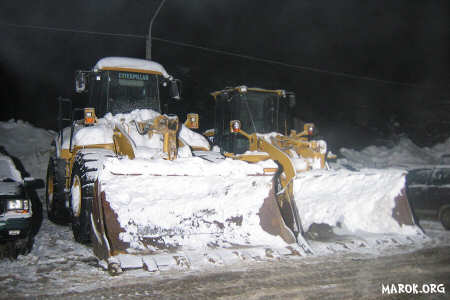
58 264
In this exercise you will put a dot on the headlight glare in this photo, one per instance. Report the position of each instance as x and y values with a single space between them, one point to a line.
18 204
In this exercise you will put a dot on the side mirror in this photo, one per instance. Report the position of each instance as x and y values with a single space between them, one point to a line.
80 82
291 100
174 89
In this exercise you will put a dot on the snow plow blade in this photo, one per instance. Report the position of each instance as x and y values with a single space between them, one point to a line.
366 203
176 210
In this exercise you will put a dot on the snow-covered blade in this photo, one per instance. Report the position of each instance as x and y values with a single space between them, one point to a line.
370 201
154 206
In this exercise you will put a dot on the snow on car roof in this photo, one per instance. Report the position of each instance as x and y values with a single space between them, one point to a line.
130 64
8 169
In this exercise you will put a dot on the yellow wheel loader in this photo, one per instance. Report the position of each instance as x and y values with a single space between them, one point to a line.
316 203
114 85
147 192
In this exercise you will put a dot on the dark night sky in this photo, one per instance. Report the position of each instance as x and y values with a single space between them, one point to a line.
402 41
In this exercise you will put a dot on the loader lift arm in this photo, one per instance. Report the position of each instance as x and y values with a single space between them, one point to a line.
284 177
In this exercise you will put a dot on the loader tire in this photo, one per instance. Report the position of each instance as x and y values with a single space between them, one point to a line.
444 216
81 197
54 192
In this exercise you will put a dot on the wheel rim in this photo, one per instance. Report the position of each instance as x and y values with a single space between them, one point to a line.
76 195
50 190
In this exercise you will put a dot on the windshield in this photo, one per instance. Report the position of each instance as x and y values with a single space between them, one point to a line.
263 112
129 91
259 112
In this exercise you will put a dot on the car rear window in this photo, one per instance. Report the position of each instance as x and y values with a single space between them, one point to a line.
418 176
441 177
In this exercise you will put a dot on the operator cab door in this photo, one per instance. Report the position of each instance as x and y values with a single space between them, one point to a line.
98 93
227 109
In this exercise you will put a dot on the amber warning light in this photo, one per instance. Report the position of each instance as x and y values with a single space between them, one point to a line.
235 126
89 116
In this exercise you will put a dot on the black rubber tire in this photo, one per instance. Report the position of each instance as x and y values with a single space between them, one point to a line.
12 250
444 216
23 247
27 247
81 222
56 208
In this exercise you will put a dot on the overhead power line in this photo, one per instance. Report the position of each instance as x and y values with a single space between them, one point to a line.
223 52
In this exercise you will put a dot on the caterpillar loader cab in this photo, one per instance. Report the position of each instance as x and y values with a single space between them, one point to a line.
115 86
254 124
258 110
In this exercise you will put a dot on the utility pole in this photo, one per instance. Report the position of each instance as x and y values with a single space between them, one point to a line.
148 44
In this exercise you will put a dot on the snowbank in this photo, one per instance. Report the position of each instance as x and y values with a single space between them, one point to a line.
7 169
405 154
31 145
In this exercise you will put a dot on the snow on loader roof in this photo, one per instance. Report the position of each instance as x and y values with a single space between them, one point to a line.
118 63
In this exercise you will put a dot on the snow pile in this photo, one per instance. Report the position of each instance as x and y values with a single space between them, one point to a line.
100 134
7 169
191 166
31 145
357 201
404 154
204 204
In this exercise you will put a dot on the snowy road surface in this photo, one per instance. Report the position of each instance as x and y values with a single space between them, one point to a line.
59 267
346 277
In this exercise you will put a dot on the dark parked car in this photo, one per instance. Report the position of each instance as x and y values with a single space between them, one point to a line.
17 205
428 191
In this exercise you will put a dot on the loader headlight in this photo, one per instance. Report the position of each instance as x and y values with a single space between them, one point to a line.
235 126
18 205
309 129
242 89
192 121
